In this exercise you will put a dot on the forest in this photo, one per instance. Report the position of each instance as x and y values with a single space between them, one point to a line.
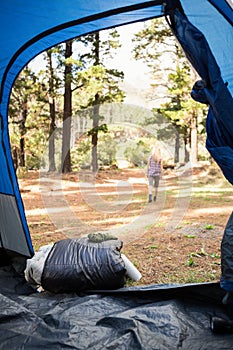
70 113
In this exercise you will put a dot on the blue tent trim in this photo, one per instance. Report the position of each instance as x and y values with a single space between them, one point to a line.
6 183
83 20
224 8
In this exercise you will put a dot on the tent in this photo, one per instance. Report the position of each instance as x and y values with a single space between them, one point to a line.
204 30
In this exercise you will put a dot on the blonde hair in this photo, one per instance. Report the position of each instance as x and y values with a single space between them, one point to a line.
156 155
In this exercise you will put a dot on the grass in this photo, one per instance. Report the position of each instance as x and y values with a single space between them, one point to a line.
209 227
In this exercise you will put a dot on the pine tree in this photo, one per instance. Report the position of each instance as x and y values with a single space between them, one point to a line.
67 111
99 84
52 111
156 45
25 90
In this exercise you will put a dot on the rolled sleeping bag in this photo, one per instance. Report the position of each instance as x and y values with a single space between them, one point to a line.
75 265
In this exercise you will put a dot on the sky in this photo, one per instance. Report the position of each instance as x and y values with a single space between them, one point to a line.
136 73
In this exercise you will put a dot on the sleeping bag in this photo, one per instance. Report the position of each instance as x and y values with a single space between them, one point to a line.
73 265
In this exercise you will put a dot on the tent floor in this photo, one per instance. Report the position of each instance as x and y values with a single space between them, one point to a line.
148 317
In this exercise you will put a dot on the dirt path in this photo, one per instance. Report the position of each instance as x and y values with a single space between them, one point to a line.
176 239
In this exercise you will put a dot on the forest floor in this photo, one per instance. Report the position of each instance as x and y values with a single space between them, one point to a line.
176 239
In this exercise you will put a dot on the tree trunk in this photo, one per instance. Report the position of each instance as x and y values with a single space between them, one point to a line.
22 130
94 139
14 151
66 160
193 141
52 165
177 148
186 148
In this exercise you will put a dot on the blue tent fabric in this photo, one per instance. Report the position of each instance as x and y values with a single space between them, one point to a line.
219 125
224 8
226 257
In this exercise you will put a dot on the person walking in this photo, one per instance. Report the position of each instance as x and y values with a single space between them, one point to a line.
154 173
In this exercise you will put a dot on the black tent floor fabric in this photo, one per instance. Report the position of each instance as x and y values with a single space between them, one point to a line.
162 317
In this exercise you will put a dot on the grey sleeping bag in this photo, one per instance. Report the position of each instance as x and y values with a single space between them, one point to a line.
74 265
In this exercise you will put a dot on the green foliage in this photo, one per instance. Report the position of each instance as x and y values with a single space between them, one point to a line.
98 85
190 236
103 128
146 41
98 79
93 77
209 227
155 45
137 151
153 246
89 77
28 118
200 254
36 139
191 261
80 154
107 149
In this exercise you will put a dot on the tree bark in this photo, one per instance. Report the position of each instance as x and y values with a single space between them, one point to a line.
193 141
22 130
186 148
177 148
94 139
66 159
52 126
193 127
